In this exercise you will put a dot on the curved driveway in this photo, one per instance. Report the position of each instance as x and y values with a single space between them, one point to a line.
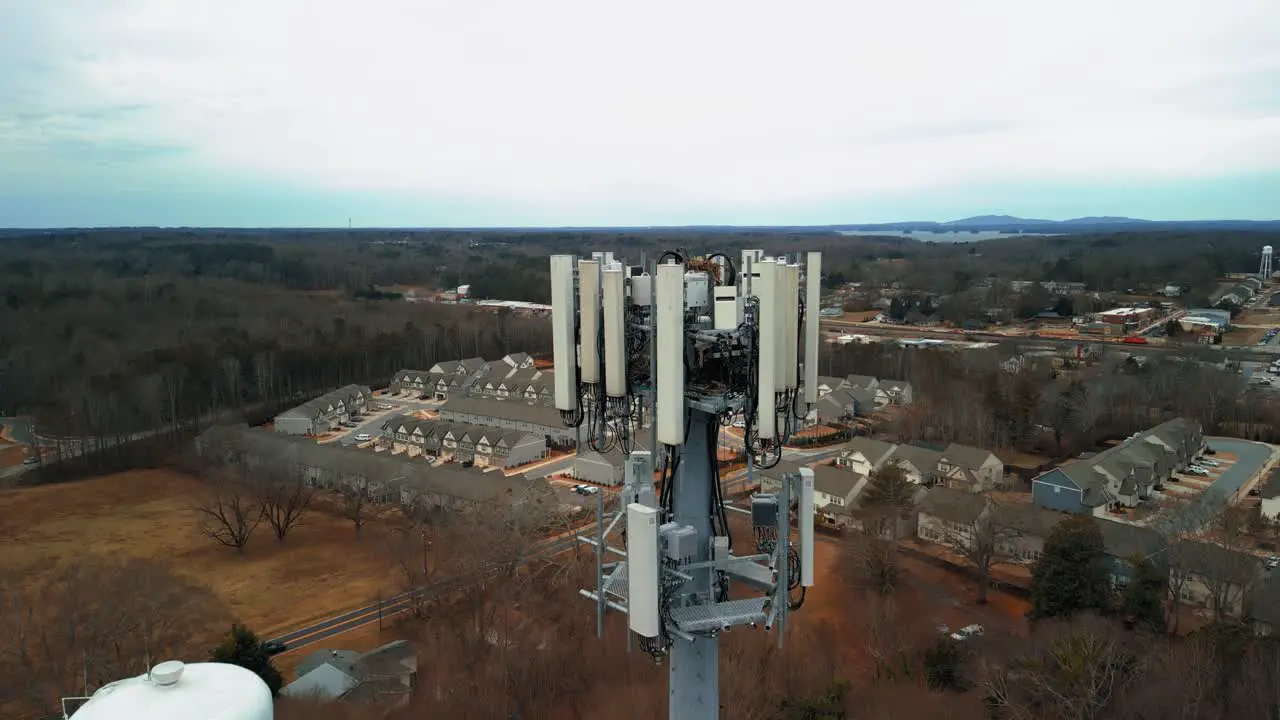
1251 457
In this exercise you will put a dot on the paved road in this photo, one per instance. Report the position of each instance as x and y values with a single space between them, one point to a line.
372 424
353 619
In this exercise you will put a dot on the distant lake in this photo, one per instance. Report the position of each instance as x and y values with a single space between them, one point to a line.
960 236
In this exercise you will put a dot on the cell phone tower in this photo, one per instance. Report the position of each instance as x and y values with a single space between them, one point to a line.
1264 272
696 343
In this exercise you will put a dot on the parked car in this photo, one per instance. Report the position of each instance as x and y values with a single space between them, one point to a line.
590 490
363 437
1210 451
967 632
467 463
1272 562
1255 492
33 460
1197 471
1206 462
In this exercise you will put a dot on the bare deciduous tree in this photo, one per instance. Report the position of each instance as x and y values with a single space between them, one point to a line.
95 620
1068 671
357 505
984 542
284 497
231 513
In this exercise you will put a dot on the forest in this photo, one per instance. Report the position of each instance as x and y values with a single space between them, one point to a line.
107 333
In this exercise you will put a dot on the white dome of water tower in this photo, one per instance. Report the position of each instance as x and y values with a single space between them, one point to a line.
172 690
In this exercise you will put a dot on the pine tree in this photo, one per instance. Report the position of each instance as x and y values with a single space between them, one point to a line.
241 647
1072 573
1142 602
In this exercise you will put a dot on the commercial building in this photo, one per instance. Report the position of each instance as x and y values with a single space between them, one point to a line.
1128 318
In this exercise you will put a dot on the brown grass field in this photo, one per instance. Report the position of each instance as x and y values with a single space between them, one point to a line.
320 570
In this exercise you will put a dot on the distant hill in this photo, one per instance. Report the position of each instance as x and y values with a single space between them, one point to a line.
982 221
1012 225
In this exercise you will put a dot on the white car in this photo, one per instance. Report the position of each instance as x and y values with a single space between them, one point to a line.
1206 462
1197 471
967 632
364 437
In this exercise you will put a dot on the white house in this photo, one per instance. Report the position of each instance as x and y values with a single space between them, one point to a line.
863 455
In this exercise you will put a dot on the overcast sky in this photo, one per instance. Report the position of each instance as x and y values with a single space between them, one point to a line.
595 112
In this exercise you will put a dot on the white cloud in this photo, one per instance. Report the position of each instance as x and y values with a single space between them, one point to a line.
564 102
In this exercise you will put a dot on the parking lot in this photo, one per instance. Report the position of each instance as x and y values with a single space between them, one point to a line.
1238 462
370 423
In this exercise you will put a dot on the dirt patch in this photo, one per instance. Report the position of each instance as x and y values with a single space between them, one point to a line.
1243 336
320 570
1021 459
11 455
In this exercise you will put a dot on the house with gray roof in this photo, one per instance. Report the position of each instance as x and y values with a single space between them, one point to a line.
841 405
866 382
1269 491
384 676
1211 576
770 479
511 415
1124 543
324 413
383 477
827 384
863 455
898 391
919 464
947 515
969 468
1123 475
836 493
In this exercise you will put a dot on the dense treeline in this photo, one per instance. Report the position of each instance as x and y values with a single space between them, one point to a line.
109 333
991 400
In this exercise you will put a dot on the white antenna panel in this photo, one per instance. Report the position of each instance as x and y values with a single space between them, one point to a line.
792 341
642 569
589 318
778 338
805 512
762 284
615 338
669 383
562 321
812 321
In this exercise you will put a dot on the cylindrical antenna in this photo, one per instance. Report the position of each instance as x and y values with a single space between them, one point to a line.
615 338
763 284
589 319
812 318
562 317
669 301
792 341
777 340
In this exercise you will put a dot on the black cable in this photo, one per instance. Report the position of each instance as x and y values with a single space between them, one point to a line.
679 258
728 261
